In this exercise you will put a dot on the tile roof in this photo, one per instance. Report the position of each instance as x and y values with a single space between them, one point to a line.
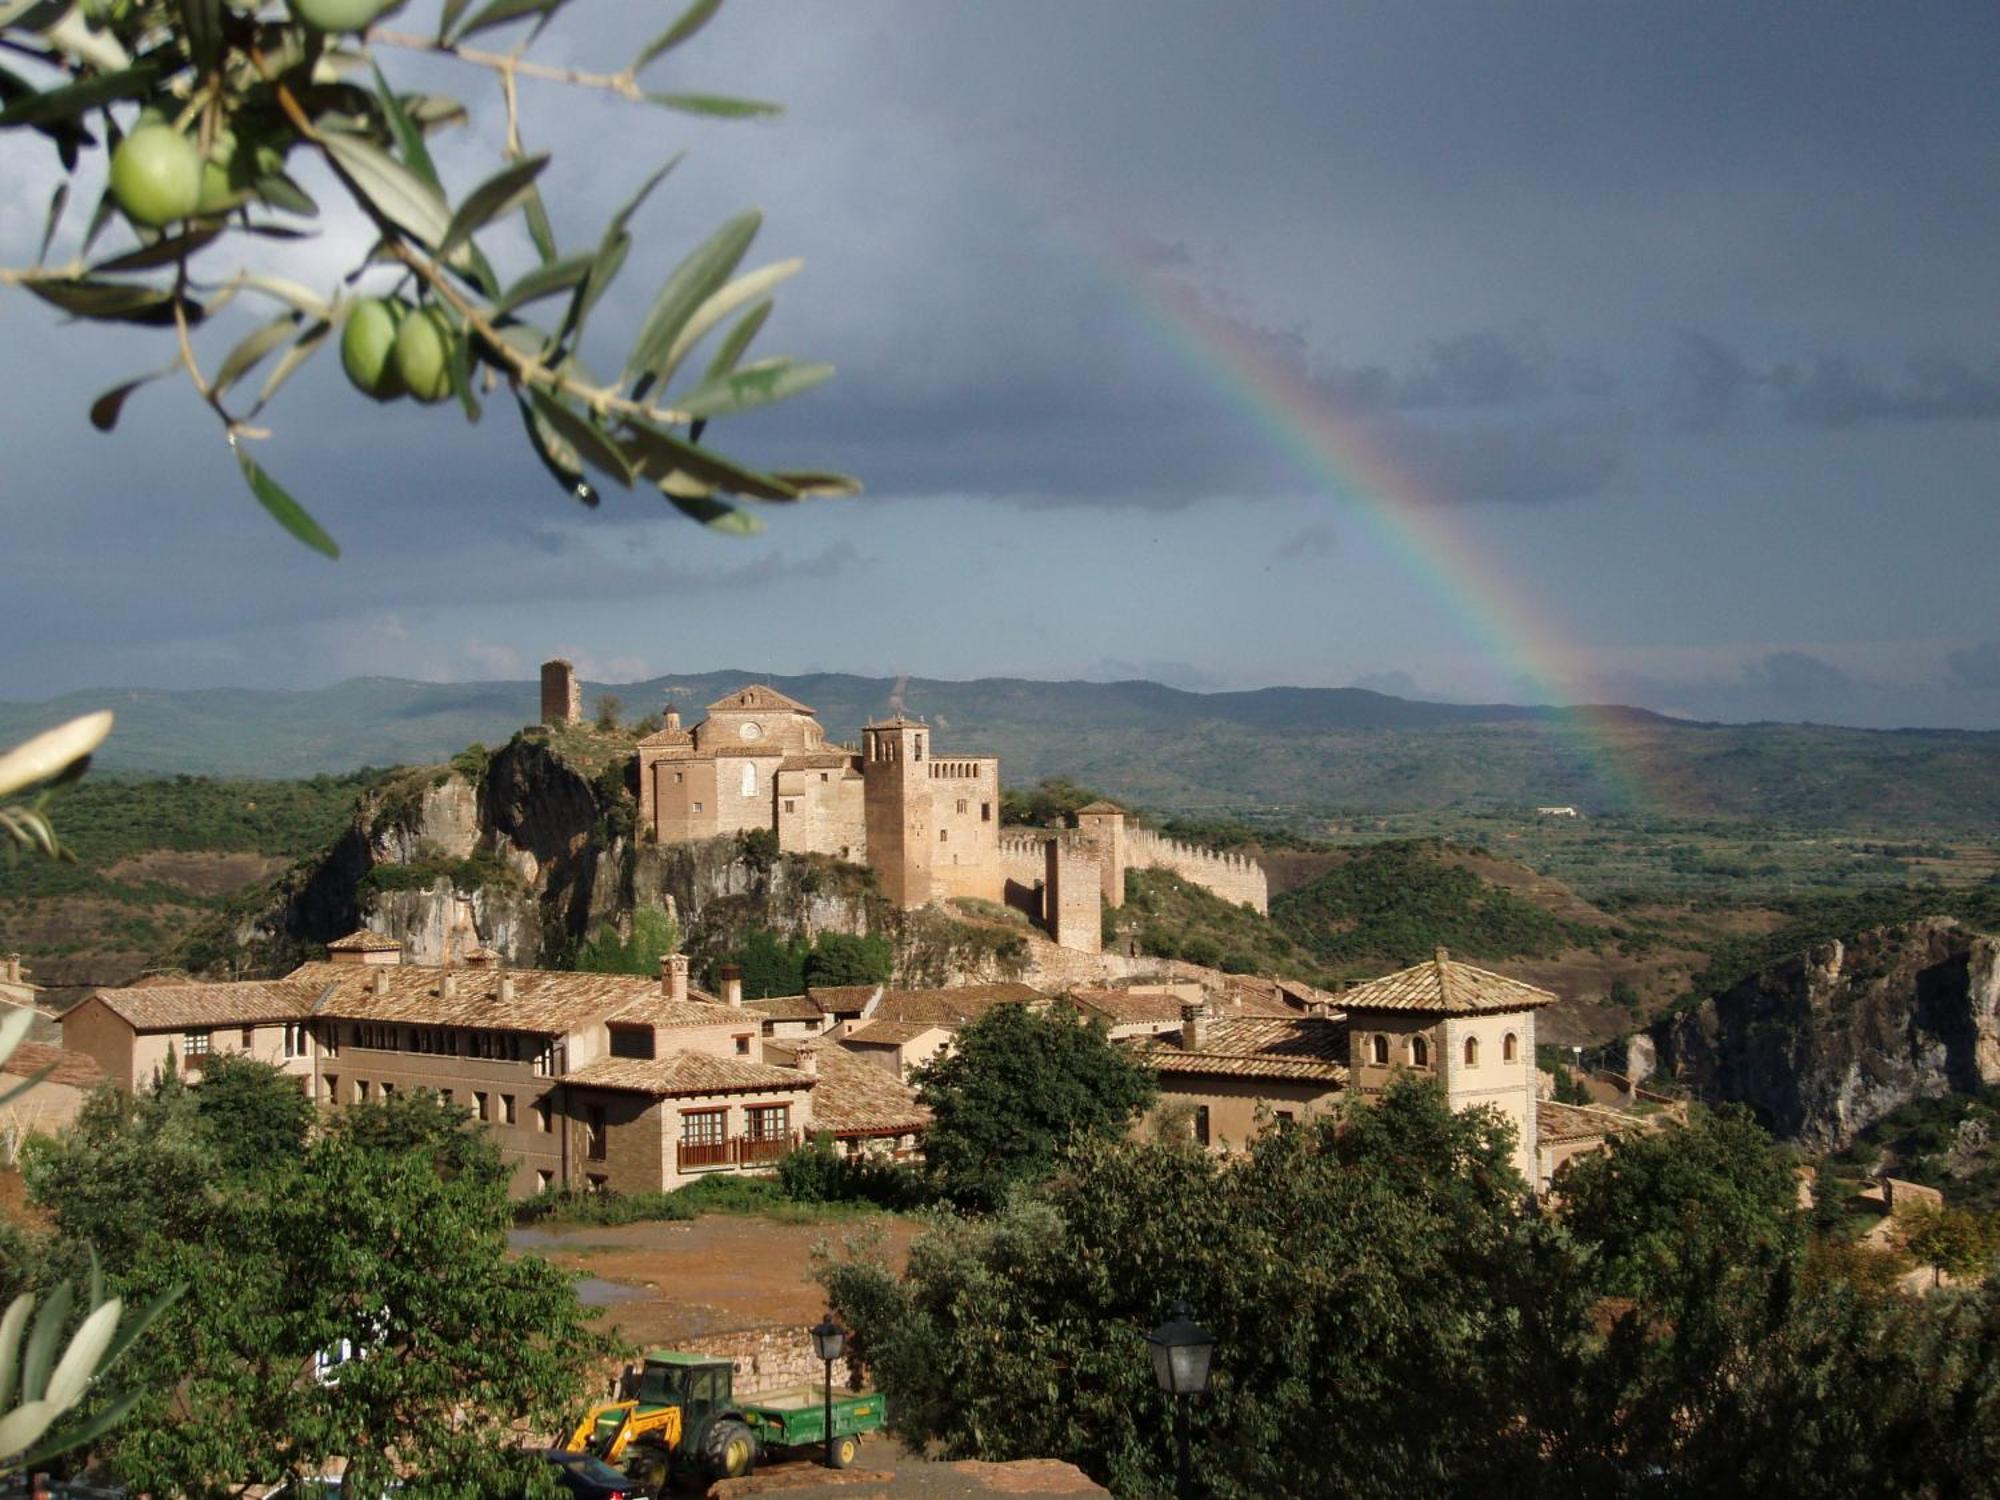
687 1073
1248 995
856 1097
242 1002
842 999
545 1000
1100 807
820 760
1302 1047
889 1033
1442 985
77 1069
959 1006
758 695
363 941
785 1008
1130 1007
663 737
655 1009
1561 1124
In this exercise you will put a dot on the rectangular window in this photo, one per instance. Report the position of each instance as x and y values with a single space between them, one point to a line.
329 1038
360 1091
822 776
333 1088
769 1122
593 1126
388 1090
1286 1119
249 1037
743 1046
194 1043
697 807
791 805
597 1181
1201 1123
445 1095
295 1039
986 812
479 1105
703 1127
961 804
506 1109
943 834
632 1041
544 1180
544 1117
677 778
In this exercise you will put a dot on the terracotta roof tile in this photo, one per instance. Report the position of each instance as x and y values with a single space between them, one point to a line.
758 695
1100 806
687 1073
856 1097
1441 985
889 1033
957 1006
545 1000
1129 1007
1303 1047
1561 1124
76 1069
364 941
243 1002
654 1009
785 1008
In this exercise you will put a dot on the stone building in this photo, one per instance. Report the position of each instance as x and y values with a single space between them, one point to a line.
1470 1029
928 824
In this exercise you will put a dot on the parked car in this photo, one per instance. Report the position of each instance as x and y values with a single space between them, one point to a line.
591 1478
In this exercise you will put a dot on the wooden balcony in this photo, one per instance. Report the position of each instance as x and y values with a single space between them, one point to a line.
736 1151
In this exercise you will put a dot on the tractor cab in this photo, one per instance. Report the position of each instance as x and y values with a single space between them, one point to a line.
699 1386
678 1408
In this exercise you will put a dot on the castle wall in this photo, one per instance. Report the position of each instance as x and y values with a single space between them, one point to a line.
823 810
684 795
1073 897
965 810
1023 860
1105 833
1233 877
1508 1087
897 802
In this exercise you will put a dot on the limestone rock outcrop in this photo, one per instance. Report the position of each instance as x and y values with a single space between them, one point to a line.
1827 1042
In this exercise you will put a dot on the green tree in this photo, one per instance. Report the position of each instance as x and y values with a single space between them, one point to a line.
1017 1089
255 1123
385 1236
1949 1239
609 707
201 114
842 958
654 936
771 965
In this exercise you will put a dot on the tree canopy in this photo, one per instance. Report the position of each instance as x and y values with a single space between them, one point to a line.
381 1240
1017 1088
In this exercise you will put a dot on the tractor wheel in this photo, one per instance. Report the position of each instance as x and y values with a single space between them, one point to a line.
730 1450
845 1451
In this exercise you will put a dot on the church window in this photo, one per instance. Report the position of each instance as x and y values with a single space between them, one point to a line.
791 805
1420 1052
749 778
677 778
1380 1051
822 776
697 807
919 743
943 834
986 812
1510 1048
1472 1052
961 804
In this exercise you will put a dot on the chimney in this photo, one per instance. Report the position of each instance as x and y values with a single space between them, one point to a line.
382 981
1443 955
13 968
480 958
506 992
732 984
448 985
1194 1024
674 977
673 717
807 1053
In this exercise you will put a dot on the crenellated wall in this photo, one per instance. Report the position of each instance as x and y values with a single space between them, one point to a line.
1233 877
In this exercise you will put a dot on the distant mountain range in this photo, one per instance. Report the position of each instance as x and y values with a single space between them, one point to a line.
1156 746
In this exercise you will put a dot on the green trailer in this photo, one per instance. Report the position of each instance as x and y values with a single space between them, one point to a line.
796 1418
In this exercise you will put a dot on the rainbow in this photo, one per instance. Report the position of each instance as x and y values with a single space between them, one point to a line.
1408 520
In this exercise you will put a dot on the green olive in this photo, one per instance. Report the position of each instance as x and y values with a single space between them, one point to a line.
338 15
423 354
156 176
367 348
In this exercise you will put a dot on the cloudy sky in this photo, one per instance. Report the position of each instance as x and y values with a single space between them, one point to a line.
1671 328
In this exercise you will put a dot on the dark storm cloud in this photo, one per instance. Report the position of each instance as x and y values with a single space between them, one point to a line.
1976 667
1710 385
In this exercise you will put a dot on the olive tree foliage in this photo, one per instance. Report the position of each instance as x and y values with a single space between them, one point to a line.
201 113
55 1348
380 1237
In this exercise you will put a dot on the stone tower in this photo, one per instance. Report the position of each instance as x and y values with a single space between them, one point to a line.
1101 825
1072 897
562 698
896 798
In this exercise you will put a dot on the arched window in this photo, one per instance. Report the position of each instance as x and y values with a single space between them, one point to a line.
1420 1052
1472 1052
749 778
1380 1050
1510 1049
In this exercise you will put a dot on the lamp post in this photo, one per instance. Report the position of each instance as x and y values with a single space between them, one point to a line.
828 1344
1182 1350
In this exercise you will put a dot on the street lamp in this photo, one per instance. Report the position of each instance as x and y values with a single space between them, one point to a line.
828 1345
1181 1352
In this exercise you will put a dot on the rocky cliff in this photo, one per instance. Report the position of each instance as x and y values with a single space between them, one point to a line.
1824 1044
532 851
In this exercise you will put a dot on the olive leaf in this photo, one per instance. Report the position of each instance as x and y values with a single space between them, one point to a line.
719 105
493 197
115 302
717 516
544 281
738 339
557 456
592 445
284 509
752 386
395 192
655 453
691 20
720 304
251 349
72 100
706 268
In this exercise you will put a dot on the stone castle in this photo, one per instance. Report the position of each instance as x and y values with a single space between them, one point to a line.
927 824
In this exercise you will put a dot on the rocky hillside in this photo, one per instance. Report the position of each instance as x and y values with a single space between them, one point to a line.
1825 1043
531 853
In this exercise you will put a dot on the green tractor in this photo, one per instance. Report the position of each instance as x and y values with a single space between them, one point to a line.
677 1414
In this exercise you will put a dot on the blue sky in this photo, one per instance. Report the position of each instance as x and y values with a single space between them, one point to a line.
1688 312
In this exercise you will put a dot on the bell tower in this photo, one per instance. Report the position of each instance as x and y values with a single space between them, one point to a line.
895 773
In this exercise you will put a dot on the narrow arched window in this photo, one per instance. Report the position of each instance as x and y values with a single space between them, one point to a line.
1381 1051
1420 1052
1472 1052
1510 1049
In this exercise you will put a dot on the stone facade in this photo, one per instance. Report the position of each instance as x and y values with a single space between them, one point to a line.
562 696
927 824
1073 898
